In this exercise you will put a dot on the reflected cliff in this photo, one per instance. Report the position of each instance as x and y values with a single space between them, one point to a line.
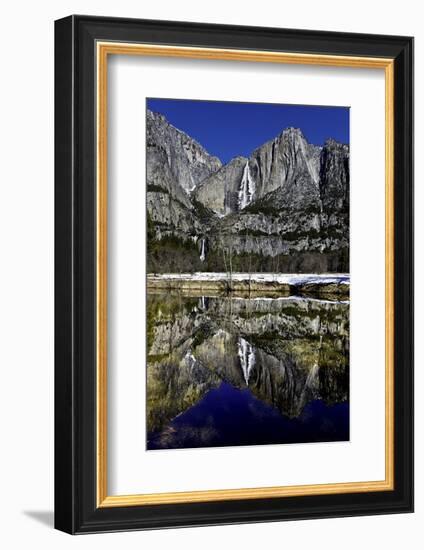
246 370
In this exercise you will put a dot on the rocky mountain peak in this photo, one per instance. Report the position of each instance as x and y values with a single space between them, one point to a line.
292 133
332 144
188 162
287 165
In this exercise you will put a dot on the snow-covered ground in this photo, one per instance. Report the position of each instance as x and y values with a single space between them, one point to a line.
281 278
298 299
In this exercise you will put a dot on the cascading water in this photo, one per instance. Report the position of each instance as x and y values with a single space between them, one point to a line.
202 251
246 354
247 188
189 359
312 379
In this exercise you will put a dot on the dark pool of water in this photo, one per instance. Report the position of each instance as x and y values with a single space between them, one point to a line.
229 416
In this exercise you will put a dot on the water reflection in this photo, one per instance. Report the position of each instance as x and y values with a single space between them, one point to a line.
246 370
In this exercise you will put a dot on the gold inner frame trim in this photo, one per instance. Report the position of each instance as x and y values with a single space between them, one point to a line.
103 50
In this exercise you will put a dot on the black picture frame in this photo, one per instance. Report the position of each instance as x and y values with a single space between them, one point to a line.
76 508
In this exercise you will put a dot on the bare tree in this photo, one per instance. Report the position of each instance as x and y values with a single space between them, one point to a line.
249 266
231 265
222 247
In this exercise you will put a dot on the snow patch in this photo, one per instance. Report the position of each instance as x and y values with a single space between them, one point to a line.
281 278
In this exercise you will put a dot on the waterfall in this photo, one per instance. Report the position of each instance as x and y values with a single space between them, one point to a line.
312 378
189 359
247 188
202 251
246 354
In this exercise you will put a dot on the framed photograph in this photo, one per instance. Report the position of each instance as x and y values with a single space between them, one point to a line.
234 274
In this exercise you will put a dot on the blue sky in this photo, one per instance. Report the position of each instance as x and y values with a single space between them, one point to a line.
227 129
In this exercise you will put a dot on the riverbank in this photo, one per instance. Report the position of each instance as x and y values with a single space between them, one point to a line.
334 284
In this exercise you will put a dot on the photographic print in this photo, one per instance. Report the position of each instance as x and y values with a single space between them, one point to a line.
247 273
206 235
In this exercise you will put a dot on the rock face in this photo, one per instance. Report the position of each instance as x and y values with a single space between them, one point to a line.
176 164
182 158
334 176
289 168
220 191
285 208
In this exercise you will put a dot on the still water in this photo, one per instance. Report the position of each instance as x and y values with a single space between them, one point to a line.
227 370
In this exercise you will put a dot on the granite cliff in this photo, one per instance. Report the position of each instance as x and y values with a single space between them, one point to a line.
285 208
